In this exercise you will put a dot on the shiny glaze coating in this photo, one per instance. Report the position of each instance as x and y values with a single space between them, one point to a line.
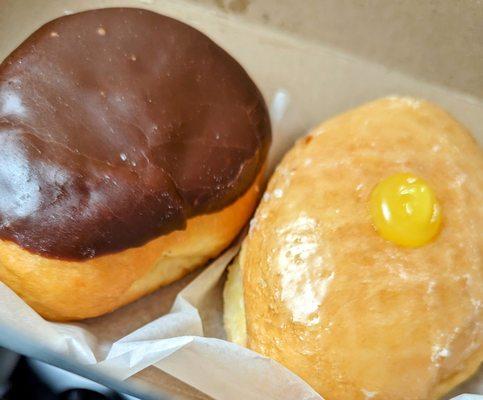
356 316
116 126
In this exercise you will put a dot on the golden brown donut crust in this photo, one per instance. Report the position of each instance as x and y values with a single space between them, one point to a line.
69 290
356 316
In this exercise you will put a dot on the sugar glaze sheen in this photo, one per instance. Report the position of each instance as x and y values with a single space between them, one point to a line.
353 314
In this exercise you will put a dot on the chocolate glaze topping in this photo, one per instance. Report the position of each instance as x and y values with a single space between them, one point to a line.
116 126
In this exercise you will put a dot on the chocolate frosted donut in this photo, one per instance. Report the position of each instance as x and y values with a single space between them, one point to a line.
131 149
116 126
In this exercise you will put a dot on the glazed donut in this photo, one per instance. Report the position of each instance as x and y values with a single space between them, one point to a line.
131 152
360 308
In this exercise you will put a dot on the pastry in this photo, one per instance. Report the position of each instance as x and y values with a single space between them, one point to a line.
132 149
362 270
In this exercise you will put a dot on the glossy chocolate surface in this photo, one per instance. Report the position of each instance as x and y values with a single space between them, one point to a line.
116 126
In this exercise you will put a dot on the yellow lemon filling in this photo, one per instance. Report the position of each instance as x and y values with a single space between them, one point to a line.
405 210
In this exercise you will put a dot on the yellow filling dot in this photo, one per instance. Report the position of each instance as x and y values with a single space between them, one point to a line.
405 210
